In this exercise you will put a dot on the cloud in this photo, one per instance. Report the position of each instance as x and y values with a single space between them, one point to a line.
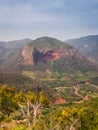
59 18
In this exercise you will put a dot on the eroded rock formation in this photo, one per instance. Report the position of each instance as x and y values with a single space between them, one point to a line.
32 55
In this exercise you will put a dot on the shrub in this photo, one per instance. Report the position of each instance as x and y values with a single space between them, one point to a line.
20 127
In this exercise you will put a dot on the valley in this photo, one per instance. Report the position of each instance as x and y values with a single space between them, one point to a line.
52 63
46 84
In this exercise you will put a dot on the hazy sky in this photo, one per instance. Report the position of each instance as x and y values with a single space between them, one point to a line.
62 19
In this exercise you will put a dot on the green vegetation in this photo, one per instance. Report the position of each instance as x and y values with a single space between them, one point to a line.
48 42
30 111
94 80
25 84
63 83
35 101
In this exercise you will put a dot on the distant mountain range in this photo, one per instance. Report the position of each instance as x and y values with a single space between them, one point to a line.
88 46
42 53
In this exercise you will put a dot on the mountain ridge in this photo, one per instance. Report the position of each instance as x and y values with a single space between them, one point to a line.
49 51
48 61
45 49
87 46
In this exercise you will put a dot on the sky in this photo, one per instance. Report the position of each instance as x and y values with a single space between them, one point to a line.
61 19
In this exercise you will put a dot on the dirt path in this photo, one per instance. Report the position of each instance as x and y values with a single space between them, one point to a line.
76 91
61 87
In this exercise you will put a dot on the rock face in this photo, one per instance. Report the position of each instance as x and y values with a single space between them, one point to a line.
40 54
27 55
10 55
32 54
60 101
61 53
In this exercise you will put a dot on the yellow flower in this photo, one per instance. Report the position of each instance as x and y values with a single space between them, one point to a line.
65 113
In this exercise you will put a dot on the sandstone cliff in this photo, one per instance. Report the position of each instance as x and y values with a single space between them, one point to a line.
31 54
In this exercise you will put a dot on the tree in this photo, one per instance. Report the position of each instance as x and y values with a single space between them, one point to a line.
31 106
7 104
71 119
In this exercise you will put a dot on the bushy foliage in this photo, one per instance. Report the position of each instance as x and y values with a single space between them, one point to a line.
20 127
35 113
7 103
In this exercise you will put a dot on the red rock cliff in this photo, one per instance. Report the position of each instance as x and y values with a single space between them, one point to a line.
32 55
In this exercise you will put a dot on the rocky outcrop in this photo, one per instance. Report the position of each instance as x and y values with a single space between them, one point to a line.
61 53
27 54
60 101
32 55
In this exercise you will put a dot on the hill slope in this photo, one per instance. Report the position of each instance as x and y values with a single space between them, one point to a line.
41 54
10 53
87 45
48 53
47 64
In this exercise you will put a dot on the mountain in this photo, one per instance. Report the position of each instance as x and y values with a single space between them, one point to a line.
54 65
87 45
48 49
10 53
41 54
7 47
49 53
